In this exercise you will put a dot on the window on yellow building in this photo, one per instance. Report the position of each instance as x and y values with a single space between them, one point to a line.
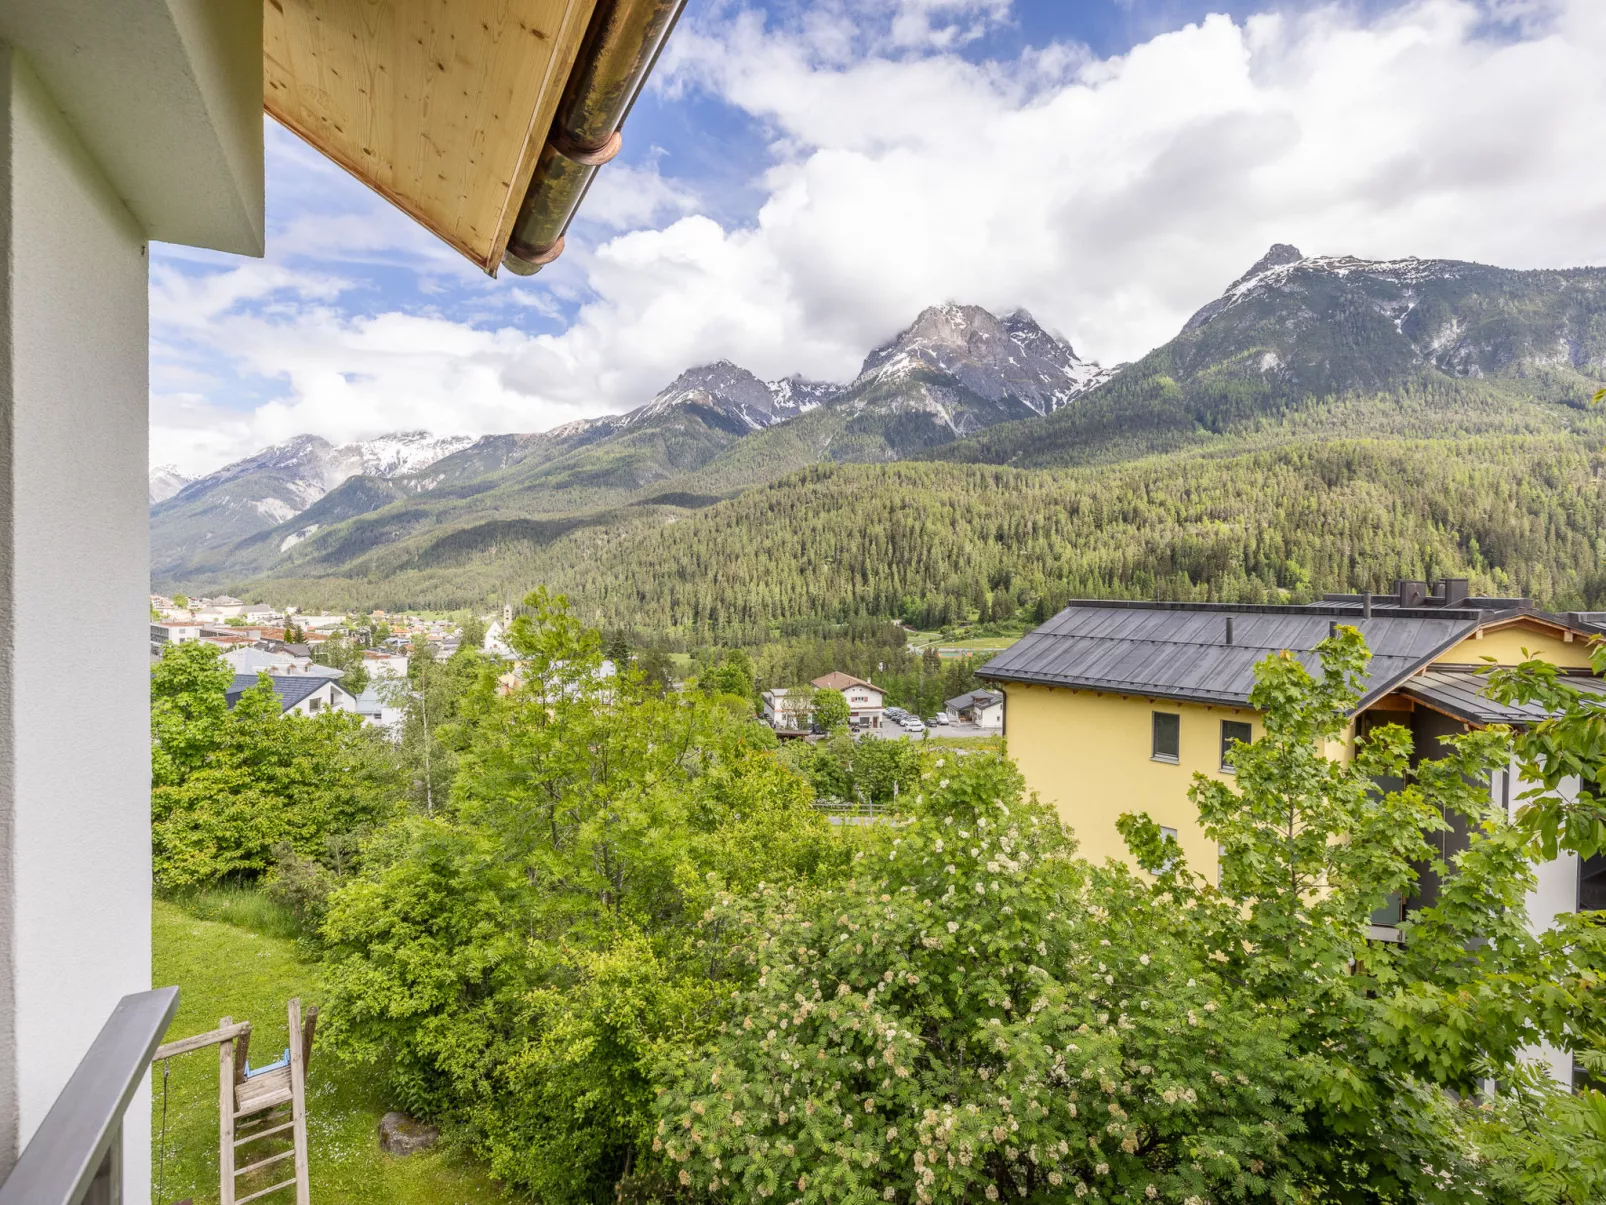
1166 834
1167 736
1231 732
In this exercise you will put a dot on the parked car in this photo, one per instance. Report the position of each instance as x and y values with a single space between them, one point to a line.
911 725
939 718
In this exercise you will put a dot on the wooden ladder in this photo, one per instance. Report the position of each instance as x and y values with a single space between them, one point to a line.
252 1110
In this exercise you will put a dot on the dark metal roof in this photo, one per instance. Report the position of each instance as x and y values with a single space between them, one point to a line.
1179 650
1462 695
291 688
984 698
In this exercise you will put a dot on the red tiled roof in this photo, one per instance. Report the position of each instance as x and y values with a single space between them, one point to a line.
836 680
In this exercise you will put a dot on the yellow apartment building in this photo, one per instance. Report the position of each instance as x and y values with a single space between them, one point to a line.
1112 707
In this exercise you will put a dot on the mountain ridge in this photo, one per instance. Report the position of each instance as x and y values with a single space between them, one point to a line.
1297 350
953 370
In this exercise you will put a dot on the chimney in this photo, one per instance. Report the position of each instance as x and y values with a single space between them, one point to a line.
1412 593
1332 628
1455 591
1229 629
1366 605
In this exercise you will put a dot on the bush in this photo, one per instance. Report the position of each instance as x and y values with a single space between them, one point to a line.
973 1015
230 786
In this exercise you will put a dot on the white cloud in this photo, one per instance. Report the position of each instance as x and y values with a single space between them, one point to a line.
1112 197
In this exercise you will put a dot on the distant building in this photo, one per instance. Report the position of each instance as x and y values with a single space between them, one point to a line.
785 710
373 706
320 623
305 694
175 633
252 659
385 665
866 700
984 708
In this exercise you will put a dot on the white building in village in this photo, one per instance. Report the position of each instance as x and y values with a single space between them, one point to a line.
867 702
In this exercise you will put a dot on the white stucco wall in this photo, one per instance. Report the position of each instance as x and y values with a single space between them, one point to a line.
1555 892
74 782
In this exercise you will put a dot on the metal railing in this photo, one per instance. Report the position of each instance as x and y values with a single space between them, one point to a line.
76 1155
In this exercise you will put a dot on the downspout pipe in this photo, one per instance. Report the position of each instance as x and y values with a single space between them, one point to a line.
621 45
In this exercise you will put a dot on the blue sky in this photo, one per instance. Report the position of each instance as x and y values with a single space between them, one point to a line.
803 177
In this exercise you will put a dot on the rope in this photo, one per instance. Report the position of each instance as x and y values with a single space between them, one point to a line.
161 1164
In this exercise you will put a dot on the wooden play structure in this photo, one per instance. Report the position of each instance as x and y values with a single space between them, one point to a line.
259 1109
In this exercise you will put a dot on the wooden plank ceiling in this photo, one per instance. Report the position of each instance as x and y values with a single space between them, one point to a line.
442 106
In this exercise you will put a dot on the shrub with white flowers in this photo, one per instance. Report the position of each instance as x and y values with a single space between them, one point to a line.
976 1015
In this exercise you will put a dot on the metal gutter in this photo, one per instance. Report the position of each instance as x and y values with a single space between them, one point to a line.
621 47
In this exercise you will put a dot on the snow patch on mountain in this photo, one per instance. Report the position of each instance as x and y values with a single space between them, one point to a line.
1280 267
165 481
274 510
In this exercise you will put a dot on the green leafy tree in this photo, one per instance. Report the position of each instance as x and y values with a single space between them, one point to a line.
518 961
1310 846
973 1016
830 711
189 707
181 601
976 1015
344 653
657 669
231 787
733 675
869 773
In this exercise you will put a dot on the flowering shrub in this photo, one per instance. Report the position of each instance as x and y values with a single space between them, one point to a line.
975 1015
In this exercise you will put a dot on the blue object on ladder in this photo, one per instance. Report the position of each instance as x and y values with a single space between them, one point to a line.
284 1061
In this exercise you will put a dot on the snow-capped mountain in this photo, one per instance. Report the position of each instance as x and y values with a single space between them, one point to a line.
278 483
729 393
956 370
395 454
994 359
166 481
1336 323
1356 347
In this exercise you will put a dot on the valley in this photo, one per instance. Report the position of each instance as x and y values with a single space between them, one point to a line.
1325 421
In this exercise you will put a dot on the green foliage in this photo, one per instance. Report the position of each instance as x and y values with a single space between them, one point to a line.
517 961
345 654
229 787
1390 1032
733 675
830 712
1568 750
867 774
976 1015
939 544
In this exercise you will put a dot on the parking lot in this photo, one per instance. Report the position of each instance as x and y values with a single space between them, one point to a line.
890 731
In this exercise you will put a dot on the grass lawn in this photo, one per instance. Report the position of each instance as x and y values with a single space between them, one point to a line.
250 973
958 645
978 644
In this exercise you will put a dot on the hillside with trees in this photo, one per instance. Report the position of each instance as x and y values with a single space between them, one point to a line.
933 544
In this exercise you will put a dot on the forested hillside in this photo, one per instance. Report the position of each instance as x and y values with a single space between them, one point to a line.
940 543
1326 423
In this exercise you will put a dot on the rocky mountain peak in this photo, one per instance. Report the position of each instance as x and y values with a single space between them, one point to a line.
730 393
165 481
1280 254
989 357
